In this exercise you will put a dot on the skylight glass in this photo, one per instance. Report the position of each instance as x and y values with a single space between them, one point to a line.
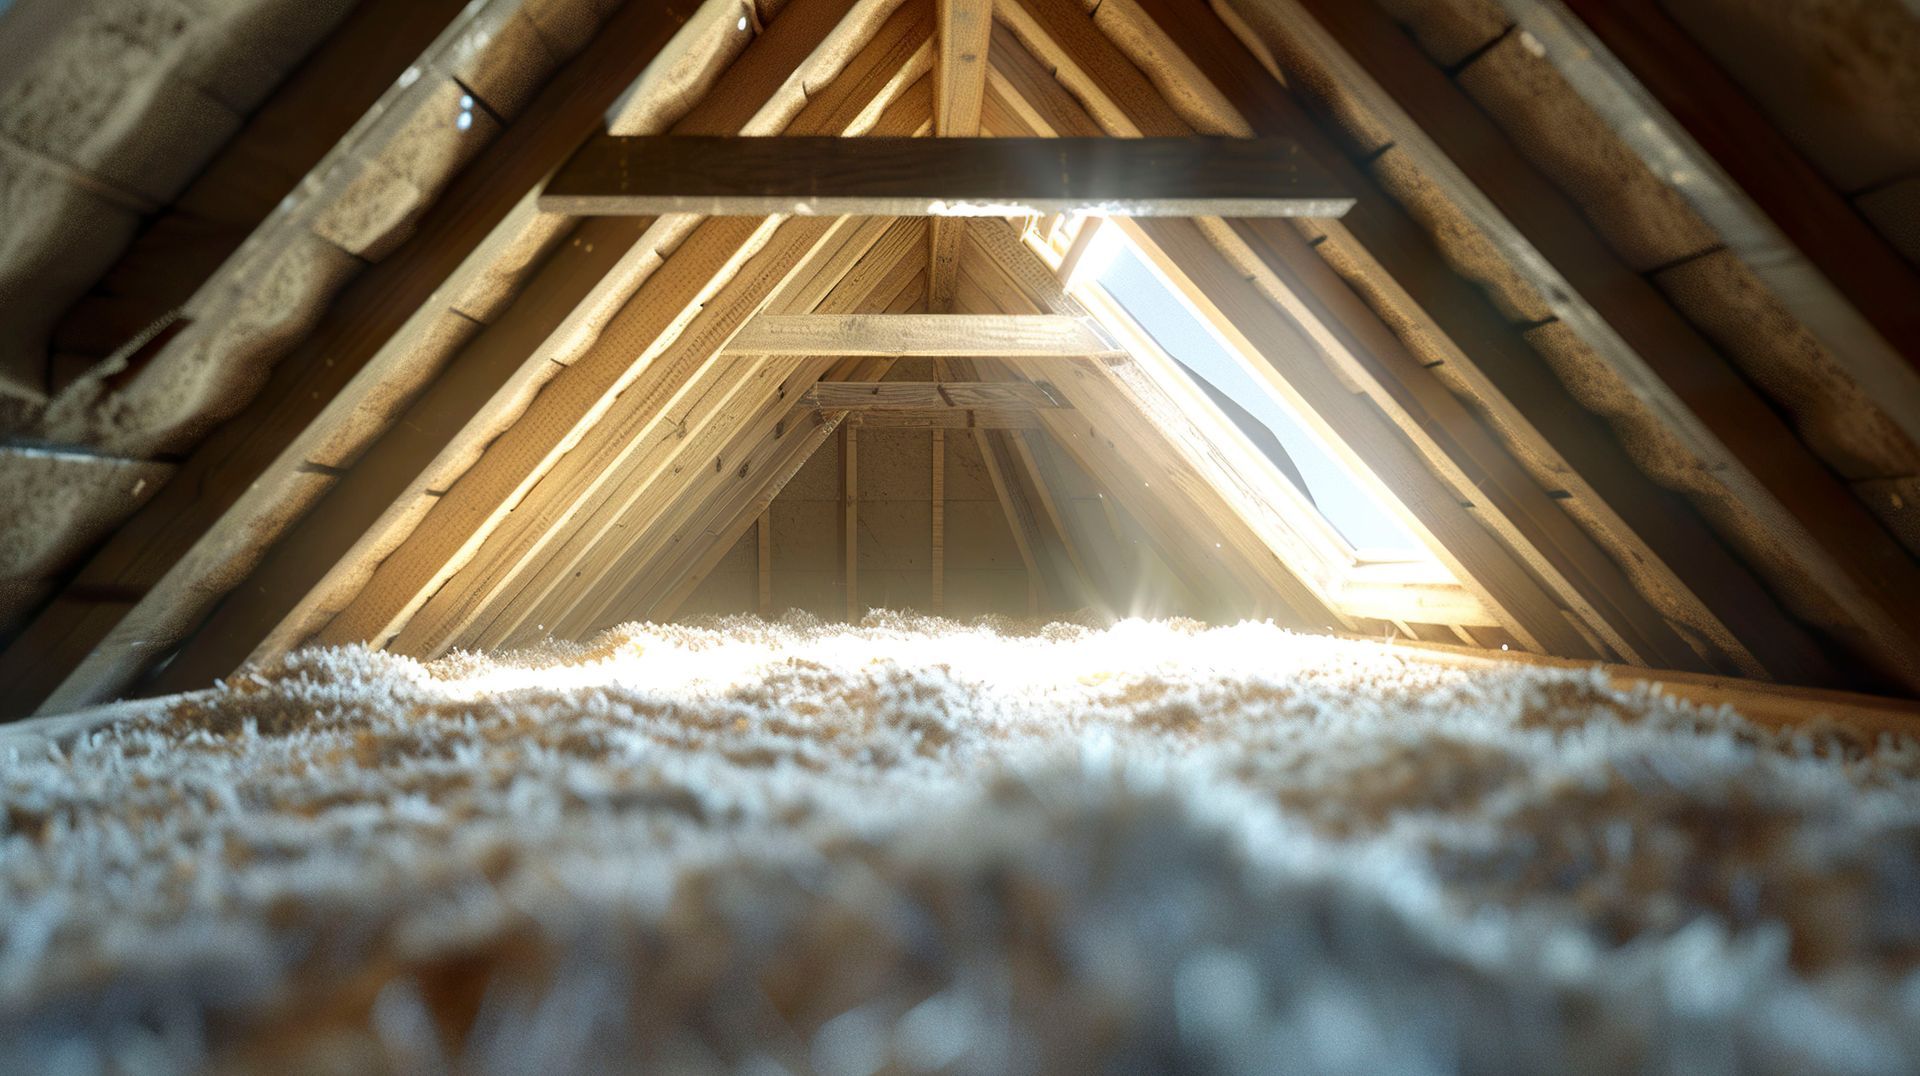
1296 453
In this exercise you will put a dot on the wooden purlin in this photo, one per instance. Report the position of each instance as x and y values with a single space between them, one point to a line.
963 29
250 478
421 565
1789 501
620 536
1692 579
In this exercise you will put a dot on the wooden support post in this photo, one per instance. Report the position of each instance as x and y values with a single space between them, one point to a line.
850 519
939 555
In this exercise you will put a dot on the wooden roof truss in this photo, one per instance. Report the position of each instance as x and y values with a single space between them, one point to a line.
421 479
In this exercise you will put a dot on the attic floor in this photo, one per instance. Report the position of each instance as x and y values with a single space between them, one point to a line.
921 844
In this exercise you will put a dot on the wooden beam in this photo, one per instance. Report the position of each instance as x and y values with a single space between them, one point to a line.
901 335
964 177
950 418
1669 102
1775 706
960 84
1791 502
929 396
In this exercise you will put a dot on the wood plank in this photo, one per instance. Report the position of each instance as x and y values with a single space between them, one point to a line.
204 529
1075 568
951 418
1696 129
1775 706
967 177
1678 563
1766 471
929 396
901 335
960 83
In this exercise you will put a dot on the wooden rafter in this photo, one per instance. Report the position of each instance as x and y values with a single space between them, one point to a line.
1696 129
1865 578
317 569
251 477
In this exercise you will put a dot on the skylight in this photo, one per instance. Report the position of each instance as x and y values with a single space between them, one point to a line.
1295 452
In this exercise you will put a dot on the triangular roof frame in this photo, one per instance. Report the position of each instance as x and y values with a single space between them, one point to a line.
589 450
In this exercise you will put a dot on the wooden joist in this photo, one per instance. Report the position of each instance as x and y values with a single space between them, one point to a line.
929 396
1000 335
960 177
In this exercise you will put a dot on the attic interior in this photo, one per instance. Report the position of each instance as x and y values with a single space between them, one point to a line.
959 535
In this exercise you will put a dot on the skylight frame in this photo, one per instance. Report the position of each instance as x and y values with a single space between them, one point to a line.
1392 585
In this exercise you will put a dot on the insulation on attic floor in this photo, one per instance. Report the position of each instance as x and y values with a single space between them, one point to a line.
918 844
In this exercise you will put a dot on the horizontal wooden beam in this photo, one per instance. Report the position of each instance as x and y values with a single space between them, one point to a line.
952 418
943 177
929 395
1011 336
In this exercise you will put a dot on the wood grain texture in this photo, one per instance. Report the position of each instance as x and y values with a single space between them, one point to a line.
1001 335
929 396
993 177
